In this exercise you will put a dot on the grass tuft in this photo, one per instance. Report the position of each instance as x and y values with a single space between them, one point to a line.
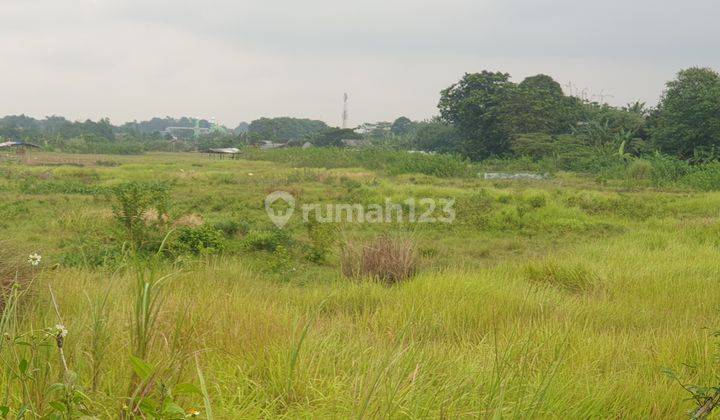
386 259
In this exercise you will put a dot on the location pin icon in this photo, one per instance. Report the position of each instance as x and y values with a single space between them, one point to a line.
280 217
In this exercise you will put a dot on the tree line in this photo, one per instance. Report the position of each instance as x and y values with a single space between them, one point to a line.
487 115
484 115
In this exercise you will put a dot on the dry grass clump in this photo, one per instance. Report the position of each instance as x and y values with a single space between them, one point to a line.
189 220
152 216
386 259
13 269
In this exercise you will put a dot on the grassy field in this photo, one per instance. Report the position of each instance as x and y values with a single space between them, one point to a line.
557 298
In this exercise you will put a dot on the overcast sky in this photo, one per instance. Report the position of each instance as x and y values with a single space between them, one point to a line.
237 60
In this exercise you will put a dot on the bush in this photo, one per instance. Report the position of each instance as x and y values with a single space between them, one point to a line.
703 177
640 169
667 169
534 145
230 228
536 201
385 259
266 240
201 240
322 238
132 201
281 262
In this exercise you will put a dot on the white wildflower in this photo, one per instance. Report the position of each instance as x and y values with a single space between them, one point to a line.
61 330
34 259
192 413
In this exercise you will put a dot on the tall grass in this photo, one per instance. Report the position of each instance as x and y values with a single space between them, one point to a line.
386 259
562 298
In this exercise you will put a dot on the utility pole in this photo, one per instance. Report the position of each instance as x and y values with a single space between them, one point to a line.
345 111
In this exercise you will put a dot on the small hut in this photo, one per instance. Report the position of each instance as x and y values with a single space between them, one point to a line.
21 150
233 152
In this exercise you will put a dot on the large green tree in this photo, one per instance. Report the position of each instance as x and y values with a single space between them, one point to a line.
333 136
538 105
402 125
284 128
688 116
489 111
474 107
436 136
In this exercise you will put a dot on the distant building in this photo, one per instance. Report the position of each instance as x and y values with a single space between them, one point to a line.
18 145
20 148
232 152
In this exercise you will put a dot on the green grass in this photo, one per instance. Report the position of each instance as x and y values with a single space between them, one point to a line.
560 298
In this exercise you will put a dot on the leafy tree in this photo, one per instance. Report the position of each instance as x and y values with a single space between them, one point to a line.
437 136
604 124
332 137
534 145
688 116
159 124
489 111
401 126
284 128
242 128
132 201
538 105
474 107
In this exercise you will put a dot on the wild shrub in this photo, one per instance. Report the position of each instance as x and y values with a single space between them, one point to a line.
441 166
322 239
536 201
703 177
386 259
667 170
504 198
349 183
132 201
281 262
640 169
569 277
534 145
266 240
231 228
200 240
